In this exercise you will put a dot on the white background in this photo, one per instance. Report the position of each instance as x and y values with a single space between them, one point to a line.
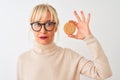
15 36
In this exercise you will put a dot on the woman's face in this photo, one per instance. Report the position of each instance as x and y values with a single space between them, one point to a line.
43 36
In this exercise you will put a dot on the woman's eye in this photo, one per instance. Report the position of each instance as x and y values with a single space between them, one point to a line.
36 24
48 24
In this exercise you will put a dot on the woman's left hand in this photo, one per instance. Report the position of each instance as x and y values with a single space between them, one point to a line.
82 25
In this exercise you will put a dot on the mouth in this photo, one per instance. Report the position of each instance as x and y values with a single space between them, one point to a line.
43 37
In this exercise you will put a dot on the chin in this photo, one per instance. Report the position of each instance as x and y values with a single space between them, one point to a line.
44 43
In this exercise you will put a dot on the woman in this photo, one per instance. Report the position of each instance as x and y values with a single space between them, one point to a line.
47 61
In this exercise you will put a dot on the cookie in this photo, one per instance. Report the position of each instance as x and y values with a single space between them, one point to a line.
69 28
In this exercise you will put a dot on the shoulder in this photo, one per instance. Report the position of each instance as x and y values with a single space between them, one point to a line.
24 55
71 53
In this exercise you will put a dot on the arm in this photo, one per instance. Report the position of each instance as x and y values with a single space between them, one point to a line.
99 67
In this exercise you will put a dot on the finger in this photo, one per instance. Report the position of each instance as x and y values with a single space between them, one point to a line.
83 16
72 36
77 16
88 18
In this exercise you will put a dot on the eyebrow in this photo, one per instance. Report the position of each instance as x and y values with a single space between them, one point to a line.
44 22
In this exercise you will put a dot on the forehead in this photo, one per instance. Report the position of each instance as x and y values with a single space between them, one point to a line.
45 18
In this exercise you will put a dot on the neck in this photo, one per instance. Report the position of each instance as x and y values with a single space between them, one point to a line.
46 49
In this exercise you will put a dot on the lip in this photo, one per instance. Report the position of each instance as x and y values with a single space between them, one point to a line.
43 37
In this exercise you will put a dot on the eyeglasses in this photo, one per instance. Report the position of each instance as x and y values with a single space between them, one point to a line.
48 26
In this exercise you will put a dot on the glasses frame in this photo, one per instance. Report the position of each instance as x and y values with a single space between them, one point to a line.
42 25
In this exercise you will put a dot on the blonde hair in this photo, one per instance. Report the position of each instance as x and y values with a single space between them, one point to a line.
41 10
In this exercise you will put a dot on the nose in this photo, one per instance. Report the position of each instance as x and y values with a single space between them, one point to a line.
43 29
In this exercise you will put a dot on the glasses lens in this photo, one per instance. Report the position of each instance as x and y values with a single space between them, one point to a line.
36 26
49 26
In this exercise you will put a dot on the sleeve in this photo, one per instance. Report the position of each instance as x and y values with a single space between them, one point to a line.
98 68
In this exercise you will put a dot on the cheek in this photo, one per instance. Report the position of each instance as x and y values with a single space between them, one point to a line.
52 34
56 29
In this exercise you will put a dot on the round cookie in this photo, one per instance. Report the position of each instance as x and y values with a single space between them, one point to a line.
69 28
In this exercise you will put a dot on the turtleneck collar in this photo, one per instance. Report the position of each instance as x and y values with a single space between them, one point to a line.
47 49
